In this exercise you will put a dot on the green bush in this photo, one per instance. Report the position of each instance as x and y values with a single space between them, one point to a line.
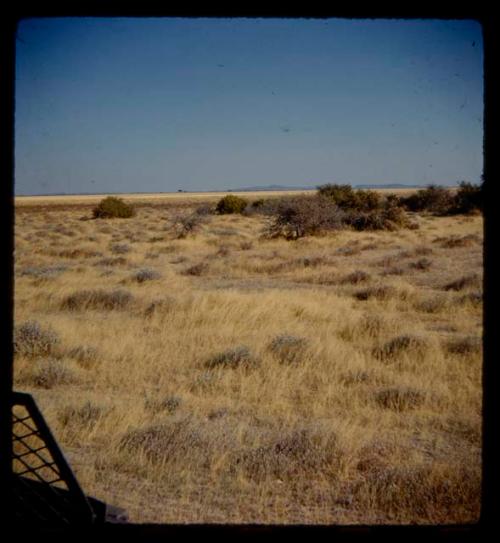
112 207
231 204
345 197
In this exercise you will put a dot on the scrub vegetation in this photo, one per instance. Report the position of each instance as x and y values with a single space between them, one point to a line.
306 359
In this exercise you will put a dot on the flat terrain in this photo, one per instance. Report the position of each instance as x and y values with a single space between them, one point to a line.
224 377
164 197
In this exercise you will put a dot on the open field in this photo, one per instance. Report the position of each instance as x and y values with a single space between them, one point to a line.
223 377
92 199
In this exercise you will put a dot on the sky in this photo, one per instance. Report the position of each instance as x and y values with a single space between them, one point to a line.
118 105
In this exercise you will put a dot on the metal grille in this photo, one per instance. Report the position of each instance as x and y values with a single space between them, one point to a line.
45 488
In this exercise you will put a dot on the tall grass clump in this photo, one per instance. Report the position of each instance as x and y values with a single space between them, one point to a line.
112 207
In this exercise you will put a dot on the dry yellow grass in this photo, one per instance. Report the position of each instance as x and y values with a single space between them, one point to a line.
227 378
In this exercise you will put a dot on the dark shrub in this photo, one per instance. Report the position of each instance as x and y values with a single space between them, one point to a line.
197 269
305 215
31 340
112 207
433 199
119 248
258 203
469 198
145 274
231 204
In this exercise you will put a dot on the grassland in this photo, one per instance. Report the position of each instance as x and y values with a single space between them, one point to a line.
223 377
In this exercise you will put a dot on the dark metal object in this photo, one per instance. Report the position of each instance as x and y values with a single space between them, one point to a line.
45 490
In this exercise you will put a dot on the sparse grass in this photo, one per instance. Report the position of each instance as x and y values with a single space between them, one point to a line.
273 382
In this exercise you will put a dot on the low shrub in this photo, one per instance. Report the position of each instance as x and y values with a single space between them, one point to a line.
232 358
355 277
197 269
31 340
465 346
231 204
50 373
421 264
288 349
97 299
468 281
401 344
399 399
185 225
43 272
170 404
345 197
119 248
382 292
145 274
86 415
112 207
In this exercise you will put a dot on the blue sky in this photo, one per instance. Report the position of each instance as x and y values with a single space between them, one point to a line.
161 104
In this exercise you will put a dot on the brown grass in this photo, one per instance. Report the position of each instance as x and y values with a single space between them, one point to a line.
252 380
